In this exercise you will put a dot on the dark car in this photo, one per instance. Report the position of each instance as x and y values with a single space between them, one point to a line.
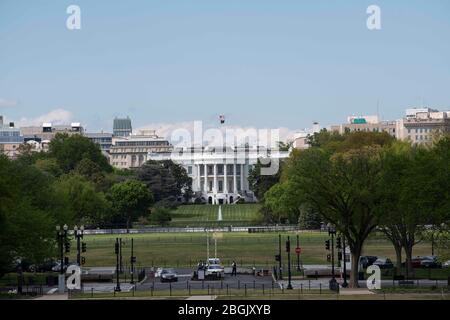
366 261
430 262
384 263
46 266
416 262
168 275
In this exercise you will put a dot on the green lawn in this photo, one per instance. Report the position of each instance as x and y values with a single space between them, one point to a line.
186 249
207 215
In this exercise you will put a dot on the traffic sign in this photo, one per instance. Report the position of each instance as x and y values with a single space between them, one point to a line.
298 250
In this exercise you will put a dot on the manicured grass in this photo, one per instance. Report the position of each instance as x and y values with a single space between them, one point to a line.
207 215
186 249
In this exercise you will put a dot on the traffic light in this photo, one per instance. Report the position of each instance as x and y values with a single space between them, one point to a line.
338 243
328 257
67 246
133 259
83 247
66 261
327 244
116 248
339 256
83 260
277 257
288 246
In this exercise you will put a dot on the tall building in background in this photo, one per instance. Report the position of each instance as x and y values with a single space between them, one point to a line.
132 151
366 124
103 139
122 127
422 125
10 139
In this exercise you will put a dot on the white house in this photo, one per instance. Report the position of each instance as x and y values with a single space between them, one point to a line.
220 175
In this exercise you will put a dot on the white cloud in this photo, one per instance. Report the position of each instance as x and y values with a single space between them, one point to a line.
7 103
57 116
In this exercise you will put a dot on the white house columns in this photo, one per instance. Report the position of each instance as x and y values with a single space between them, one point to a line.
215 189
225 178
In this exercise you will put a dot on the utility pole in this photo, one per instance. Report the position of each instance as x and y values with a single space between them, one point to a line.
333 282
280 268
132 261
344 284
207 246
120 252
288 250
117 252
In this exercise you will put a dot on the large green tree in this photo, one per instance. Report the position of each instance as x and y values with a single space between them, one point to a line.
166 180
27 217
86 205
130 199
69 150
344 189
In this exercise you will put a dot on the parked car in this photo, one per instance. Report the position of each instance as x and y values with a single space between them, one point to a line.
366 261
384 263
168 275
416 262
430 262
446 264
214 271
158 272
46 266
57 266
215 261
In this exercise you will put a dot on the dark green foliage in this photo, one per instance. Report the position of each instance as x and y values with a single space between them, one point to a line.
70 150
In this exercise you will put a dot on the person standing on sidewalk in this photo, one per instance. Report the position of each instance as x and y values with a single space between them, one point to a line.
233 269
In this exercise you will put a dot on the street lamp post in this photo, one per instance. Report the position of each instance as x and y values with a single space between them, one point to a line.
280 268
298 254
344 284
132 261
61 236
116 250
78 233
332 232
288 250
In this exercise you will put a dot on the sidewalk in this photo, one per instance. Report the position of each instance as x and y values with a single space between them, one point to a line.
53 297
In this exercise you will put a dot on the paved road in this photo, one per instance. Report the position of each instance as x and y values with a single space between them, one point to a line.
184 282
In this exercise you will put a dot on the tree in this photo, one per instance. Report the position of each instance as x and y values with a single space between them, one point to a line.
48 166
130 199
86 205
165 179
344 189
26 221
70 150
160 216
92 172
278 200
260 184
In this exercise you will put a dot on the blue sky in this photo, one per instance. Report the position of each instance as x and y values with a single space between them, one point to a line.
261 63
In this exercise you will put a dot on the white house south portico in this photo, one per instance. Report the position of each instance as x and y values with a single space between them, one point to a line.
219 175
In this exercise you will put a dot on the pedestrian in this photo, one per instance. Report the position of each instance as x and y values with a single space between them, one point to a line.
233 269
